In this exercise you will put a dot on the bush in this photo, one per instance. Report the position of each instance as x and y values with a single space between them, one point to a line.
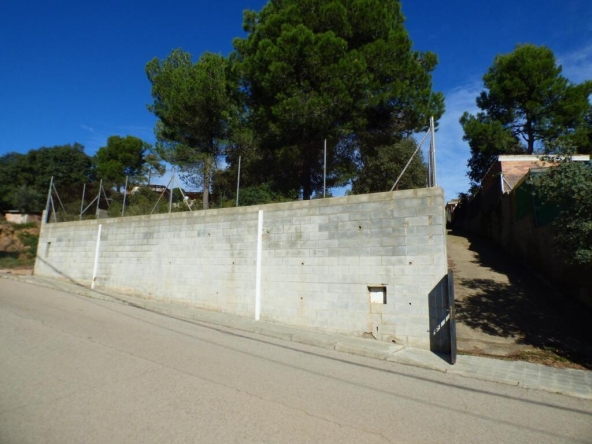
569 187
30 242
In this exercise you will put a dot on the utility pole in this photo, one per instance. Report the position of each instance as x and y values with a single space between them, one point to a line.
432 154
172 183
124 196
82 203
238 180
99 198
48 200
325 169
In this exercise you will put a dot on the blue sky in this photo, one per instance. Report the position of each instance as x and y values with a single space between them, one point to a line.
73 71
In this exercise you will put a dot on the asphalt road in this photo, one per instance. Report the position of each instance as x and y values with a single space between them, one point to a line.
79 370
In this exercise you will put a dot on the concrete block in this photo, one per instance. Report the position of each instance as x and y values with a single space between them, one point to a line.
371 260
330 226
429 192
423 230
430 211
404 194
409 203
351 226
351 260
393 260
339 235
331 210
339 217
336 252
421 250
414 221
372 242
383 214
326 252
438 201
396 222
436 220
393 241
437 239
421 260
367 232
405 212
418 240
315 235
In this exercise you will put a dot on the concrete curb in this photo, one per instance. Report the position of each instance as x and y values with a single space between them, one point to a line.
570 382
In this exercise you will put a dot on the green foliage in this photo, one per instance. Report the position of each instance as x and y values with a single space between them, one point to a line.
26 177
30 242
262 194
333 69
487 140
18 256
569 187
20 227
141 202
9 172
382 165
527 105
12 260
27 200
68 164
121 157
195 107
153 166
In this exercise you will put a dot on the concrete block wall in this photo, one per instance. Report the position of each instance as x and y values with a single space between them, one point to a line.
318 259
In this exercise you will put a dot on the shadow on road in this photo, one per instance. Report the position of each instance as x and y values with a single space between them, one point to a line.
526 308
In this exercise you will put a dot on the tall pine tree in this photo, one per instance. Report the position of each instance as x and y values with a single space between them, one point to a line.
334 69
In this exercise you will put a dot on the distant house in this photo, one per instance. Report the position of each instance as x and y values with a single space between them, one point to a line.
17 217
509 170
160 189
450 207
502 178
190 197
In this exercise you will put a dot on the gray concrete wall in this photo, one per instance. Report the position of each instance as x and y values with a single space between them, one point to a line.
318 259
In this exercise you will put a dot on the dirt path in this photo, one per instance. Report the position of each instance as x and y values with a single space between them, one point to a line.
504 309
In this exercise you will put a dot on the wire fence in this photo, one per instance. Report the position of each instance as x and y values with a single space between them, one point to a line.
97 202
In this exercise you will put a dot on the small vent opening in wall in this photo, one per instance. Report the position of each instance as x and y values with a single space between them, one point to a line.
377 294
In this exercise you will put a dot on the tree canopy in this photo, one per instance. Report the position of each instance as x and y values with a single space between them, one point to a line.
121 157
153 166
194 104
528 105
26 177
333 69
384 164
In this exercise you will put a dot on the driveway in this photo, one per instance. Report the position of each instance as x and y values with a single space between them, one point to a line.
505 309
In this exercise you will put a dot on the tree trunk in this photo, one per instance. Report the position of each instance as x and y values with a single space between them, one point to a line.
306 176
529 136
306 183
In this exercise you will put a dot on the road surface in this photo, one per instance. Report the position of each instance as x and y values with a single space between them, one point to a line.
80 370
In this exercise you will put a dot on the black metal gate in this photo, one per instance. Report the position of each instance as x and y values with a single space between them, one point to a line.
452 320
442 322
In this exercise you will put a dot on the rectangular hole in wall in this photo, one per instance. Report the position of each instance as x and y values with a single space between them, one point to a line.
47 249
377 294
